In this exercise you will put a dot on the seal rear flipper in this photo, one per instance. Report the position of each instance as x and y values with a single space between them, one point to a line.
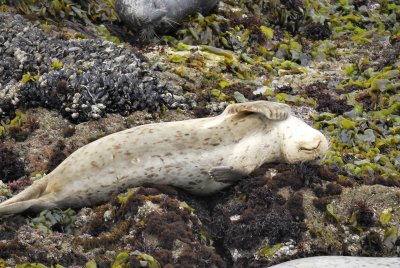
226 174
32 192
21 206
271 110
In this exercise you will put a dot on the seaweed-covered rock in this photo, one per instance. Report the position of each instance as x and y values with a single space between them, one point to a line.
11 167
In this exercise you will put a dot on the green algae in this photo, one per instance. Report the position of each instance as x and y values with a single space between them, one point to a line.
20 120
386 216
29 77
56 65
390 237
105 34
332 213
120 260
48 220
270 250
91 264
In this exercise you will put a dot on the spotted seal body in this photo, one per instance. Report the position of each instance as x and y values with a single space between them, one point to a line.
341 262
150 16
201 156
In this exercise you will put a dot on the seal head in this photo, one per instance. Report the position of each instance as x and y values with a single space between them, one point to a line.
301 143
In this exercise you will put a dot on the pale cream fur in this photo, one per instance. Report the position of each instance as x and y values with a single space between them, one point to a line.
201 156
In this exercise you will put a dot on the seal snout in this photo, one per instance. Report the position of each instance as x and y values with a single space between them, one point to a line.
306 145
314 149
312 146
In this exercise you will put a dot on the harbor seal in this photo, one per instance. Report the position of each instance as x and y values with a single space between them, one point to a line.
150 16
201 156
341 262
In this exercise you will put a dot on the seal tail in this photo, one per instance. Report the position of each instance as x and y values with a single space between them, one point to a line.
25 199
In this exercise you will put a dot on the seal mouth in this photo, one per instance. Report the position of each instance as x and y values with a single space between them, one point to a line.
309 148
315 152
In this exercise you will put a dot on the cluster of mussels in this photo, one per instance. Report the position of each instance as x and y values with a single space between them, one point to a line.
81 78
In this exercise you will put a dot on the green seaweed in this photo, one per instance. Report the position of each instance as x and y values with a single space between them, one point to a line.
331 212
386 216
120 260
54 218
91 264
28 77
270 250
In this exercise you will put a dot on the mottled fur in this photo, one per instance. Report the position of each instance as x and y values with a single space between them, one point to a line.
201 156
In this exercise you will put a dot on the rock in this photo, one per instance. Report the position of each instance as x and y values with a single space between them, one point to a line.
72 76
148 17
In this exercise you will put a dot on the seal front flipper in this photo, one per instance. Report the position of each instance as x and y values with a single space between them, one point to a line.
271 110
226 174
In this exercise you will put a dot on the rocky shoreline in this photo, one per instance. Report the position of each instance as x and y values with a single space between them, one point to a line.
61 89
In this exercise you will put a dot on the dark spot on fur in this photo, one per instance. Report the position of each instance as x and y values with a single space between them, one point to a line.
117 146
94 164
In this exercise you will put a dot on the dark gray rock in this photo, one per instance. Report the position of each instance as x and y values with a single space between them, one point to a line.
150 16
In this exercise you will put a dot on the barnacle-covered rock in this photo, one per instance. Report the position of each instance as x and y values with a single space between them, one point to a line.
82 78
